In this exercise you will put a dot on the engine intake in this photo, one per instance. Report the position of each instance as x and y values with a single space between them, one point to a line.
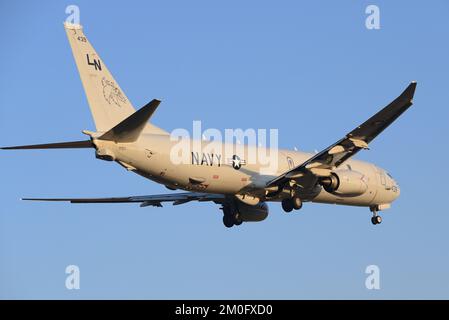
345 183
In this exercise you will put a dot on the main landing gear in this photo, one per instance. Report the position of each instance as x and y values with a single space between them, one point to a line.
289 204
376 219
231 220
231 217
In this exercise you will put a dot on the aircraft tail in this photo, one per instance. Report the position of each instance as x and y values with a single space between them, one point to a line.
108 103
130 129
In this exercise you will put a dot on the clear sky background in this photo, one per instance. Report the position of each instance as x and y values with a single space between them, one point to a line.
310 69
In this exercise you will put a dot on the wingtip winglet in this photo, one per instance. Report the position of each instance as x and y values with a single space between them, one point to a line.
155 103
409 92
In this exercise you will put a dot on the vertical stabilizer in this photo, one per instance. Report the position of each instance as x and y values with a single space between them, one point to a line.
108 103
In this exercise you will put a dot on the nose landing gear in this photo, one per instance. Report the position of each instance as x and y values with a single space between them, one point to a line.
376 219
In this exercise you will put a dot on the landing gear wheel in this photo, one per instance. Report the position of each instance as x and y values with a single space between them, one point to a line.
287 205
237 220
376 220
228 221
296 203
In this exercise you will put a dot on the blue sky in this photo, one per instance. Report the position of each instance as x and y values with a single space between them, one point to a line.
310 69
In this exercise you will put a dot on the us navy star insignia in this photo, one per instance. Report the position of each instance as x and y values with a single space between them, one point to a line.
236 162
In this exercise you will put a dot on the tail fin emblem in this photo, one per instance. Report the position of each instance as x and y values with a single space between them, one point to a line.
111 93
96 63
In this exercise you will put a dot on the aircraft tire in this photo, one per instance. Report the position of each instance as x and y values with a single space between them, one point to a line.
287 205
228 221
376 220
296 202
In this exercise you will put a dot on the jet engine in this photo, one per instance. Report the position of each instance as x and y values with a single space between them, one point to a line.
344 183
254 213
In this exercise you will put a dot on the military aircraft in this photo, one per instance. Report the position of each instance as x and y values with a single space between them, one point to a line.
127 137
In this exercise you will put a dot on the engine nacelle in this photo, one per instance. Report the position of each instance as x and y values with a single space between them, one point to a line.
345 183
255 213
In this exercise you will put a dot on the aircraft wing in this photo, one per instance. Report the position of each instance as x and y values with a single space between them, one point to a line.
359 138
150 200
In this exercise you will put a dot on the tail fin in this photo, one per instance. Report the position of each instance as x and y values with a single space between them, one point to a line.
108 103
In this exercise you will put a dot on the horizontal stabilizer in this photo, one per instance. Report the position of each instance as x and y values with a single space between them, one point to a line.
129 129
58 145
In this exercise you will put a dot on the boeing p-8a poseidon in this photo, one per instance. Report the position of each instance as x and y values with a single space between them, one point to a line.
125 136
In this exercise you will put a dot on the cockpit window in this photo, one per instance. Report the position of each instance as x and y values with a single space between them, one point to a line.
349 167
389 175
